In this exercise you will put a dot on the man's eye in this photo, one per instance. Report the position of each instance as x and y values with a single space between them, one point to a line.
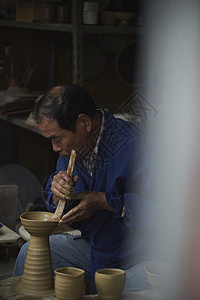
57 141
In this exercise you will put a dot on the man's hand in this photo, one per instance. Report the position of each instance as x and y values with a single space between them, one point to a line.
90 202
62 186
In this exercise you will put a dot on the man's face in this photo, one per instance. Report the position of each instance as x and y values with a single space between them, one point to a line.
63 140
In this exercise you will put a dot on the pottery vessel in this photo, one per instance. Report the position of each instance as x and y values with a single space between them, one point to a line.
69 283
124 17
110 283
37 279
63 14
90 13
159 274
108 18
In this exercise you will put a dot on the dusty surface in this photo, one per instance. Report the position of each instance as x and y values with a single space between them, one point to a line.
7 291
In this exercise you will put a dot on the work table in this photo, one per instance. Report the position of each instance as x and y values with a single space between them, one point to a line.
7 292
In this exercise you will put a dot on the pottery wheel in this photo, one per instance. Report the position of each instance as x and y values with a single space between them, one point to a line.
7 291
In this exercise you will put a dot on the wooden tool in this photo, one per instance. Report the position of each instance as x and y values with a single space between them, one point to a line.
61 204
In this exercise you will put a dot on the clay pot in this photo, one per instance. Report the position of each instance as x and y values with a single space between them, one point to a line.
158 274
69 283
124 17
110 283
108 18
90 13
37 278
63 14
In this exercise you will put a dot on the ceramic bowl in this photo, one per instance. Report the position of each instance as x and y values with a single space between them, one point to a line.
108 18
38 223
124 17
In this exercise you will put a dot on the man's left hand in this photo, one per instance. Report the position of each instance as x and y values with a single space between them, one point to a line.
90 202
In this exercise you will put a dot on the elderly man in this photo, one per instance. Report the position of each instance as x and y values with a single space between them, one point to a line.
111 184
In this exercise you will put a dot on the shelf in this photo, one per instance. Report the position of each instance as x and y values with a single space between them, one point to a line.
113 29
21 122
39 26
68 27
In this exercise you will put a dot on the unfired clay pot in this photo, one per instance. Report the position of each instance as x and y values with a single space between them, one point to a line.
69 283
110 283
37 279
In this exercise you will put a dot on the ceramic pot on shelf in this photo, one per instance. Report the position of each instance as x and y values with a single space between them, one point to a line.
90 13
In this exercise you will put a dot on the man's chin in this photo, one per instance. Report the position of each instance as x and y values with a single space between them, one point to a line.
64 154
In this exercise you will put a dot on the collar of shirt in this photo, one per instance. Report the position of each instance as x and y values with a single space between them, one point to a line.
89 162
95 150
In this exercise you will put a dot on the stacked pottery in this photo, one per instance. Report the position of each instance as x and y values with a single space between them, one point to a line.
90 13
37 278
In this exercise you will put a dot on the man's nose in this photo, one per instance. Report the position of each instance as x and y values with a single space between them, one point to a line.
56 148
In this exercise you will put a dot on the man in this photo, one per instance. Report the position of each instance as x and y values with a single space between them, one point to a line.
110 184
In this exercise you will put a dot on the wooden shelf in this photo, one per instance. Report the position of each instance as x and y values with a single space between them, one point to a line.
113 29
19 121
68 27
37 26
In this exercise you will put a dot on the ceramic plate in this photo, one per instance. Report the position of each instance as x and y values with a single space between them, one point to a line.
112 42
94 60
131 63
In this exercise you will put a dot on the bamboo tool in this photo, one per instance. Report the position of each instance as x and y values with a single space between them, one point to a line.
61 204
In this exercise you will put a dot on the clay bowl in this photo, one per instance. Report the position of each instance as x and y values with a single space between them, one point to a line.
37 223
108 18
124 17
69 283
110 283
158 276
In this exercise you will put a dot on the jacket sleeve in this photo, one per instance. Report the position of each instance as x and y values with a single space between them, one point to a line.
49 195
130 195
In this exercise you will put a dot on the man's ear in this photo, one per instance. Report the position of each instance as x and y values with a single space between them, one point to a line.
85 121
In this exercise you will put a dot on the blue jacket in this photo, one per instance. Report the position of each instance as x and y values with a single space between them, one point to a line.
121 172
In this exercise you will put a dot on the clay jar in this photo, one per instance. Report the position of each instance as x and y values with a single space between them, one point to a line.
110 283
62 15
90 13
37 279
69 283
48 13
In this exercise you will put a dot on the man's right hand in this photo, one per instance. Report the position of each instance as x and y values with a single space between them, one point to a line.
62 186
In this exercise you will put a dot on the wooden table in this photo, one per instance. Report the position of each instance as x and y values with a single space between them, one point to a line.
7 292
7 235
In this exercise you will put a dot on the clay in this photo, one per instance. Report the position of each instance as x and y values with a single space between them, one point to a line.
110 283
37 279
69 283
